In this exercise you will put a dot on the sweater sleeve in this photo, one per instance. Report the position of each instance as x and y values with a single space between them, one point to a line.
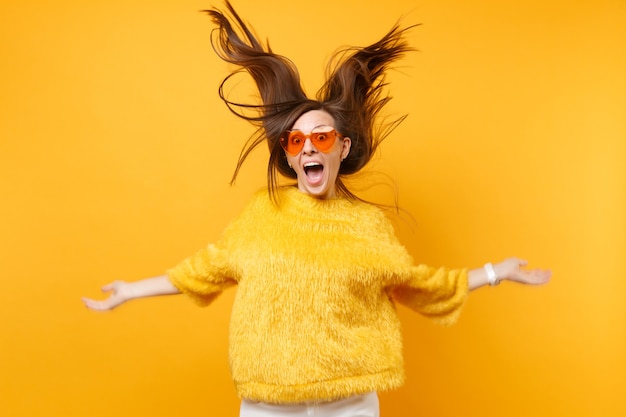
217 267
204 275
437 293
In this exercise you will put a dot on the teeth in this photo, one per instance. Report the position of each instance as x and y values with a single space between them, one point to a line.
311 164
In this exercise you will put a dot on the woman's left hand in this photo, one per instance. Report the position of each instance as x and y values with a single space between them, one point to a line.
511 269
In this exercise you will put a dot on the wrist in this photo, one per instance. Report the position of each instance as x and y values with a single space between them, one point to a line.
492 275
128 291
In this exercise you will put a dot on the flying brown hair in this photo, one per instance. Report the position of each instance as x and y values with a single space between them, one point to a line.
352 94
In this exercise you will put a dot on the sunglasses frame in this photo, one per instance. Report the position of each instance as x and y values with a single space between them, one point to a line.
313 137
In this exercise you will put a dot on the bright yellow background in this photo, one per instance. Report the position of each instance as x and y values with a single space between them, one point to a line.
116 155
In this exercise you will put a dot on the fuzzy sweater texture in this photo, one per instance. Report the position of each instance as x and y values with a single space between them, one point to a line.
314 316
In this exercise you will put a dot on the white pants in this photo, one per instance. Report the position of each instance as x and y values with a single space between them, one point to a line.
357 406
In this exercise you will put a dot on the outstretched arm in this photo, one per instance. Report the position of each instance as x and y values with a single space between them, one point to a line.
121 291
510 269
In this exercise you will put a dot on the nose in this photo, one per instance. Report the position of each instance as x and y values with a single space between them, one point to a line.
308 147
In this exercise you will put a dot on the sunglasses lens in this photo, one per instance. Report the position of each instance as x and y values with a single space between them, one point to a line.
323 140
293 141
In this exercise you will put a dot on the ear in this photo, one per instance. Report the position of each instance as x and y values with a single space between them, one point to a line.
345 147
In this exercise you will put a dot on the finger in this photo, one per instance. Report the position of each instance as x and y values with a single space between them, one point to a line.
92 304
543 276
101 305
537 276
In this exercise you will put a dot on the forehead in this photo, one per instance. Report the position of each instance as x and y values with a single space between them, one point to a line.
312 119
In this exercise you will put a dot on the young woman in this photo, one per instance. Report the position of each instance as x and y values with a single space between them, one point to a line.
314 326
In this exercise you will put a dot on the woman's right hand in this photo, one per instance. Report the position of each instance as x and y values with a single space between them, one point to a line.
122 291
119 293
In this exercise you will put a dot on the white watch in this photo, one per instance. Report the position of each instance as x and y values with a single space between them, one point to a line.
492 277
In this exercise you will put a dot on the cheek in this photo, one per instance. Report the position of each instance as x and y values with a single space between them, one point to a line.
334 166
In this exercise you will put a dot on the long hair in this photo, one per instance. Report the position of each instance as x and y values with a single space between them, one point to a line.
353 94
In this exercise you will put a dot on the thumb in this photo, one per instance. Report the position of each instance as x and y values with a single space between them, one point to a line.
112 286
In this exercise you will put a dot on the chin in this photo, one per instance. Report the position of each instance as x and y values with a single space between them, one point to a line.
321 191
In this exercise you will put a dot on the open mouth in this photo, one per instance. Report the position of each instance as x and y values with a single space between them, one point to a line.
314 171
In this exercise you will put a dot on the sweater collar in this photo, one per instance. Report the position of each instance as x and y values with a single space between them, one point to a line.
292 197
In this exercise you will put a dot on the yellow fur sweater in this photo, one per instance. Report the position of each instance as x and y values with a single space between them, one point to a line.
314 316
